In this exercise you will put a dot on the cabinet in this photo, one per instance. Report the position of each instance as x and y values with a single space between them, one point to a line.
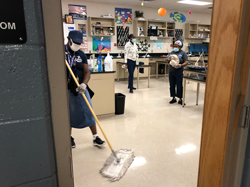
101 26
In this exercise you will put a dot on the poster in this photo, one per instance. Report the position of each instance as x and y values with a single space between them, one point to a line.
84 46
82 29
123 15
101 44
78 11
143 45
66 29
158 44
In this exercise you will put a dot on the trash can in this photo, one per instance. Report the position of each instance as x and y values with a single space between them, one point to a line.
119 103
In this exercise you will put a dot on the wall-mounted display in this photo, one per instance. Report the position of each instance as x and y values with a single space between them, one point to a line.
78 11
122 36
123 15
69 19
82 28
143 45
101 44
178 17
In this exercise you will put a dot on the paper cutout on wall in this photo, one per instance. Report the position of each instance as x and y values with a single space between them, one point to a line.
158 44
123 15
101 44
178 17
84 46
122 36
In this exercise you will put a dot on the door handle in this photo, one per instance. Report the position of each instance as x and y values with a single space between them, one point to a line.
247 115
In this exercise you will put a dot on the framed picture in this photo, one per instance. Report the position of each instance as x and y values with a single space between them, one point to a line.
69 19
78 11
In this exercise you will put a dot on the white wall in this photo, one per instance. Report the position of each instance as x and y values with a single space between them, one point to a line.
98 9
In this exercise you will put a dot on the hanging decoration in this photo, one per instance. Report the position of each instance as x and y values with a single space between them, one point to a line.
178 17
162 11
189 13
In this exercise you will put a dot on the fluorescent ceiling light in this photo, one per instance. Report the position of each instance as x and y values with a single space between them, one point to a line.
192 2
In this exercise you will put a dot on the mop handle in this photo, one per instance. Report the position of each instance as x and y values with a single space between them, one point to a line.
90 108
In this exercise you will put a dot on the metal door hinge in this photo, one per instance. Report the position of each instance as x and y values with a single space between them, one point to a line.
247 115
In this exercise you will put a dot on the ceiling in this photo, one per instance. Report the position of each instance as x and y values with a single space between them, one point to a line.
168 4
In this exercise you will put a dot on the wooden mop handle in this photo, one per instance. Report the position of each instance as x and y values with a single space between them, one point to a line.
90 108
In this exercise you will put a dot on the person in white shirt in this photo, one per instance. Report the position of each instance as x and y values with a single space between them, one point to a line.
131 55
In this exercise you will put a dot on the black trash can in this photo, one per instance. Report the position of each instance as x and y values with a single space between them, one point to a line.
119 103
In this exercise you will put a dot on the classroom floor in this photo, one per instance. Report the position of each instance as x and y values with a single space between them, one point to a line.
165 138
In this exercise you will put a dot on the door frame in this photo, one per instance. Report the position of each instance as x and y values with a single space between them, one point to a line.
53 29
227 78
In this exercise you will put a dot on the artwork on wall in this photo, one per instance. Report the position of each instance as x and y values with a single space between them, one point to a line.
123 15
69 19
158 44
78 11
82 29
84 46
178 17
122 36
101 44
179 34
143 45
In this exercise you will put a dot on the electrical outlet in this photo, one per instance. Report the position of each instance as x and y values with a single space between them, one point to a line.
152 51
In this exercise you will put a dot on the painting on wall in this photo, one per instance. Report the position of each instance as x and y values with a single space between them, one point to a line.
158 44
123 15
122 35
101 44
82 29
143 45
84 46
78 11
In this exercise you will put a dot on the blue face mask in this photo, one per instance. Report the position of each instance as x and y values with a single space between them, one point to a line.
133 40
176 49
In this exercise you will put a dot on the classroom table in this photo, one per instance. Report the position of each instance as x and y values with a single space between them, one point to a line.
199 78
142 66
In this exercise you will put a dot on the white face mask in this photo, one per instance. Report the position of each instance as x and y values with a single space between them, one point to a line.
74 47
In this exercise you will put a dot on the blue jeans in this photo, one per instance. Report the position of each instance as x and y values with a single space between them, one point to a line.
131 68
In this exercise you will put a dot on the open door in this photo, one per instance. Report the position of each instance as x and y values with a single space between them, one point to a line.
223 138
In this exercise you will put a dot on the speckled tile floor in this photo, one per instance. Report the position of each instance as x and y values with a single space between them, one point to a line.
165 138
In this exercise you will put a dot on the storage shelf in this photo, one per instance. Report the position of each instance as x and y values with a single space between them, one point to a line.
197 38
102 26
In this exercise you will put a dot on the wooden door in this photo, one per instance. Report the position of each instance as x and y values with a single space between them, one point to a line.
228 71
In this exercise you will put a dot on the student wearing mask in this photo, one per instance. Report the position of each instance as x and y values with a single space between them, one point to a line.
176 73
131 55
80 115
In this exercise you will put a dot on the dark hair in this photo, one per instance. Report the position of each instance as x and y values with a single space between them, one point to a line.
130 36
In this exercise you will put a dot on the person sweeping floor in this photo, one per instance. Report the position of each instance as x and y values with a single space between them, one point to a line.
119 161
80 115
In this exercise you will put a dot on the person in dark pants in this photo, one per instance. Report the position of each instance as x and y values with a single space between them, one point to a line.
176 73
131 55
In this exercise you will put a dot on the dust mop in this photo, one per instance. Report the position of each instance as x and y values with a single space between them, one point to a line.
118 162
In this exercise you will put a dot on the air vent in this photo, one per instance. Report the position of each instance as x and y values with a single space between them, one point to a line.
147 1
210 8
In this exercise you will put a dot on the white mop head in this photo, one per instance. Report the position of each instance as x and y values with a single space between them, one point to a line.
113 170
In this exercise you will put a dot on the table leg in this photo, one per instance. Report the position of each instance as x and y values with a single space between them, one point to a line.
198 91
184 93
149 69
118 71
165 71
137 78
157 70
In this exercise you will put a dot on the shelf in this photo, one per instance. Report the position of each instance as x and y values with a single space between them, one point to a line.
101 35
193 30
196 38
101 18
170 29
105 26
204 31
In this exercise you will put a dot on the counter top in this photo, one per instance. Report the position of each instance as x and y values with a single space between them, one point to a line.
103 72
